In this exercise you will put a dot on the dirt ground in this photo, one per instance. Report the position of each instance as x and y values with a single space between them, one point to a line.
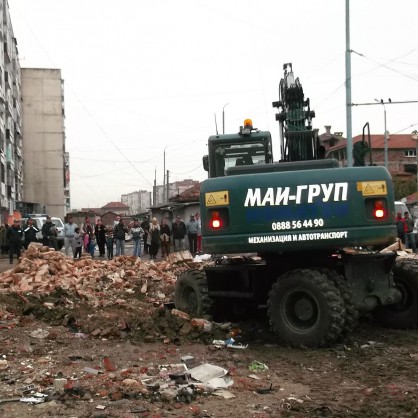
114 372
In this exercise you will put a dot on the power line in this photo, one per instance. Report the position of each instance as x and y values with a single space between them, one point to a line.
383 65
383 103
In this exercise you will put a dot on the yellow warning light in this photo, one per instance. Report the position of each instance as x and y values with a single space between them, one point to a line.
248 124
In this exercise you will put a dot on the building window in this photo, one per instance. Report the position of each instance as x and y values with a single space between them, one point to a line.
410 153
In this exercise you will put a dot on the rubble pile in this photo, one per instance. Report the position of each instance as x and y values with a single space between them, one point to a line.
101 298
41 271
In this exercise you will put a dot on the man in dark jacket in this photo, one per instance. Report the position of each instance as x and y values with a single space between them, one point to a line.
179 232
119 232
45 231
15 235
30 232
100 232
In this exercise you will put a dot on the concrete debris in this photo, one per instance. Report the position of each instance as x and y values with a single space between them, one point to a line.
206 372
42 270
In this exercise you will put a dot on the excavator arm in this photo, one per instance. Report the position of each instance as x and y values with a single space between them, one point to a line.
298 141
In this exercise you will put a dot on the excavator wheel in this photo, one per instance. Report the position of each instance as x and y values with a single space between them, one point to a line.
306 309
351 313
191 293
404 314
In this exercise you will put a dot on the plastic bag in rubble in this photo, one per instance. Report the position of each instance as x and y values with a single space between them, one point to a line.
257 366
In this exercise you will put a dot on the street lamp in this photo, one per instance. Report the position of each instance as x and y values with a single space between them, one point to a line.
414 136
386 132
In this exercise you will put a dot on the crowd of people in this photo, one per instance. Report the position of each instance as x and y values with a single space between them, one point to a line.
405 230
149 237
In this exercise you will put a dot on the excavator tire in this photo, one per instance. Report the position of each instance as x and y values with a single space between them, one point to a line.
351 313
404 314
306 309
191 293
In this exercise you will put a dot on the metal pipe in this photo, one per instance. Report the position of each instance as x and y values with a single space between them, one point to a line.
223 118
386 140
385 134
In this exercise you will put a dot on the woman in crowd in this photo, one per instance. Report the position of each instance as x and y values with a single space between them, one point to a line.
165 233
154 238
100 233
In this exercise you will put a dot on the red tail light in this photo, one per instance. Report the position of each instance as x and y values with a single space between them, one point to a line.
215 221
376 209
379 211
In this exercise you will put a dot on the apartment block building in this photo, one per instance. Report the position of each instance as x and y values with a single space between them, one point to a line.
138 201
11 162
46 163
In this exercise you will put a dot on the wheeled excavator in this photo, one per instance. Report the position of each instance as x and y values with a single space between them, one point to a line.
301 237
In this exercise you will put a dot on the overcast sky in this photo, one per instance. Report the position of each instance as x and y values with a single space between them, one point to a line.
144 77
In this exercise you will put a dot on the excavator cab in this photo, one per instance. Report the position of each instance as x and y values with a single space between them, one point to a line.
249 147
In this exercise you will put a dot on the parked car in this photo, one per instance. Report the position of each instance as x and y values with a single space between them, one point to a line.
39 220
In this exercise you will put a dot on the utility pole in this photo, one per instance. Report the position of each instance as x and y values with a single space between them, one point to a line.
168 185
414 136
348 85
154 194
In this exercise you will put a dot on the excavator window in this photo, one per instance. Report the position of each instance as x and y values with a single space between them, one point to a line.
233 155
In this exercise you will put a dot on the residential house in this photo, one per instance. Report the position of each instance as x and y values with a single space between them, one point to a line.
116 207
402 155
183 204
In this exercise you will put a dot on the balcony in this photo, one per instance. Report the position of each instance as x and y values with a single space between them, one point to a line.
10 192
9 136
7 50
8 79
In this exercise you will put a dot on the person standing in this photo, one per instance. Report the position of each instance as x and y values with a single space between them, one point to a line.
192 227
92 244
30 232
69 235
78 243
145 226
179 232
409 232
137 233
15 235
165 234
88 232
53 237
119 232
154 238
3 238
199 233
45 231
100 233
109 241
400 227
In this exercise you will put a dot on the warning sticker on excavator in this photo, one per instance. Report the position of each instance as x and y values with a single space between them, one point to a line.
217 198
372 188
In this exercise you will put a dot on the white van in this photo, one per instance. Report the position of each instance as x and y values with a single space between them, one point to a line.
400 207
39 220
